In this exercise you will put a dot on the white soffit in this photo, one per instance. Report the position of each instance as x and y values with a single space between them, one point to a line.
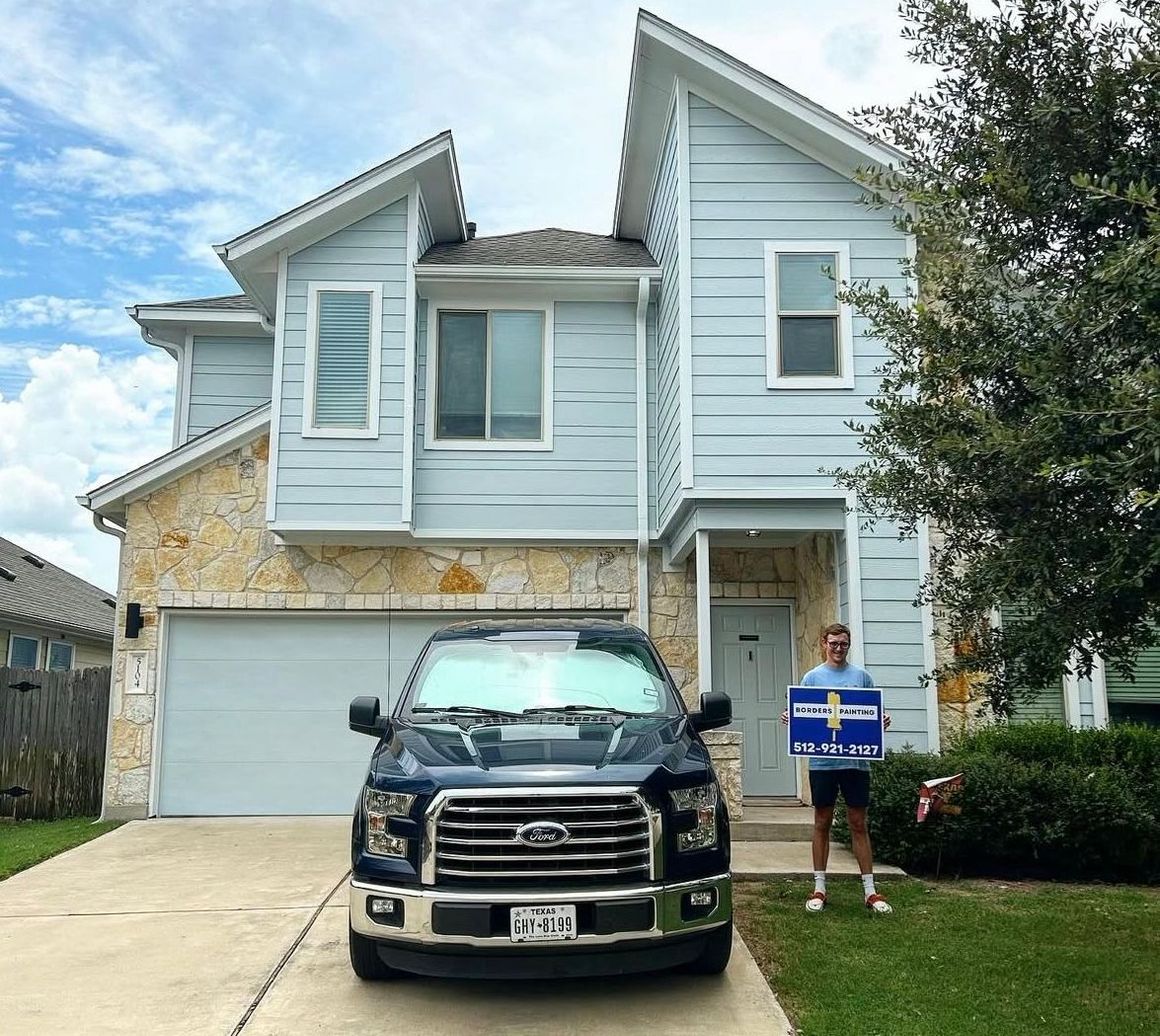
664 52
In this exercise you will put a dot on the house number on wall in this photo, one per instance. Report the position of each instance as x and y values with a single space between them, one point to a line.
137 673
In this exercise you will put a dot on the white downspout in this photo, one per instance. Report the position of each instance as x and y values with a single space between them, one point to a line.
642 537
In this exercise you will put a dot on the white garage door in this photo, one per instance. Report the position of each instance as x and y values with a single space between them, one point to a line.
254 708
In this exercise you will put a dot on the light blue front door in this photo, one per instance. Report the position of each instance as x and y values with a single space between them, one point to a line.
752 663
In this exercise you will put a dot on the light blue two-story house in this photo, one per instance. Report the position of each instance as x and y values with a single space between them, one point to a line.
399 422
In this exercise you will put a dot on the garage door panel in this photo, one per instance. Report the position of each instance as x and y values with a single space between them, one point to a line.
260 789
251 684
312 735
285 637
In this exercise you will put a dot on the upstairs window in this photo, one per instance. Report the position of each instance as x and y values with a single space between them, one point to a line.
23 652
808 332
489 382
343 351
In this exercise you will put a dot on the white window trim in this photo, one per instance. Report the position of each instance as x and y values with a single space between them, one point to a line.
374 375
72 655
845 376
544 443
12 636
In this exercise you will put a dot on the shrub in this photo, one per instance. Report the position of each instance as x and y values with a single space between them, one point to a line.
1040 800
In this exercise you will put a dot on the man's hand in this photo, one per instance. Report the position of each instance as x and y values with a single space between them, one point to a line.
886 721
785 718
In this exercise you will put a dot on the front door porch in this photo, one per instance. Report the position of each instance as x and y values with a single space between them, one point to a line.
752 661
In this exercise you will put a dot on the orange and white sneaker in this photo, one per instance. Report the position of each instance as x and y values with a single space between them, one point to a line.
877 904
816 902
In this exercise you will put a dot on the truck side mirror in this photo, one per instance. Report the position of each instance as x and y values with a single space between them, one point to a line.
716 711
365 718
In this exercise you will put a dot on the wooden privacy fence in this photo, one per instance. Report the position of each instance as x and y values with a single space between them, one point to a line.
52 742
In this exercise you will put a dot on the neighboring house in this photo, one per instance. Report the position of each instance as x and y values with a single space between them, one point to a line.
49 618
399 423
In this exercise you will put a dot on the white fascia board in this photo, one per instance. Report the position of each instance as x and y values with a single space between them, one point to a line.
169 315
269 234
584 274
177 462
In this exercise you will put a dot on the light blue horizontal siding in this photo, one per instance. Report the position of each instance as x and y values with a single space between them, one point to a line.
662 239
228 377
346 480
587 481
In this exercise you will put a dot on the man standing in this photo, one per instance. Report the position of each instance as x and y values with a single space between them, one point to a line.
849 776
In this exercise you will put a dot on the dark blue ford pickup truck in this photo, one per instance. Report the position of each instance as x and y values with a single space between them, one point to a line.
539 803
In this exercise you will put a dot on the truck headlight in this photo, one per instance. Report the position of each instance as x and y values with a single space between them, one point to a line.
380 806
701 800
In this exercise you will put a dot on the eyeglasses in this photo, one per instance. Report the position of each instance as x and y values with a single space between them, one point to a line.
838 645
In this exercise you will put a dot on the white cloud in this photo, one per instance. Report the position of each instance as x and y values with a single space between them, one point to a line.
34 210
27 238
103 174
83 316
81 419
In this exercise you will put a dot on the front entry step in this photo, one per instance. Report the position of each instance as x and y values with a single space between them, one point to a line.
774 824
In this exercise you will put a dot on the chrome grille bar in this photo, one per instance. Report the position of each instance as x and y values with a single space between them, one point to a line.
471 834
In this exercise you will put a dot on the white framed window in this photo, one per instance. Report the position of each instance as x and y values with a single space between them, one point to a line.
60 655
344 345
23 652
809 334
489 377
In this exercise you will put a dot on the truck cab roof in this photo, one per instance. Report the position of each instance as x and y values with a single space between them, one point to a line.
539 626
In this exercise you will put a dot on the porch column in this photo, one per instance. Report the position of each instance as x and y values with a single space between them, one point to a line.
704 645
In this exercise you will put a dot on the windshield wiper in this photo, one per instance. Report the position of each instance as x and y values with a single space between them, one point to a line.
468 710
611 709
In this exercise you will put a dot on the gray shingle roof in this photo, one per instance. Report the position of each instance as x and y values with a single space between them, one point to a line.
239 302
50 596
549 247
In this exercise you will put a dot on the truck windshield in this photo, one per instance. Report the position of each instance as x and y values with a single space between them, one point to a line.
518 675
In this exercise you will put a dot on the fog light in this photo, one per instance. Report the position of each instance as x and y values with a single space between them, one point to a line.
385 910
698 905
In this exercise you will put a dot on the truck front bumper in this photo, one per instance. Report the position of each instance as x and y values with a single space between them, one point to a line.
466 932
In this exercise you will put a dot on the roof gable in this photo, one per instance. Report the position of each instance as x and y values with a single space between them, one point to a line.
665 53
252 257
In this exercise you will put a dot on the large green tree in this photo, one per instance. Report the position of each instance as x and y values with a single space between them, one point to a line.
1020 407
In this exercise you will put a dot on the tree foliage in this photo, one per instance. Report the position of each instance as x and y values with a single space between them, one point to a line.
1020 405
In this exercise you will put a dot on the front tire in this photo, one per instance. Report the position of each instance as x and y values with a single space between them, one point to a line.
714 958
365 959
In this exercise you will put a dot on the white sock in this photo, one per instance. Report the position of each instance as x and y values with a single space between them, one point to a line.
819 881
868 885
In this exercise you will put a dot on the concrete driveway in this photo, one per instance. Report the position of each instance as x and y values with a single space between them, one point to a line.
239 926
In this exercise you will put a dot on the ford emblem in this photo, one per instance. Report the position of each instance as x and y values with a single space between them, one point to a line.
543 832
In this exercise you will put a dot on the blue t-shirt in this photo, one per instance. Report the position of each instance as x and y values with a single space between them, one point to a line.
849 675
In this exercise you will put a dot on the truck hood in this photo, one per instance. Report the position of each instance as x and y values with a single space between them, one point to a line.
473 752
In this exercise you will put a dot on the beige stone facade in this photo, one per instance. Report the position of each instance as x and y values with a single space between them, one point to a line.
202 542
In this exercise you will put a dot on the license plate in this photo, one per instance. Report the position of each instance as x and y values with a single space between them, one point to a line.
543 923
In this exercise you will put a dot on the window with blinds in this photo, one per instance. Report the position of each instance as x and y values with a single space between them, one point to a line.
489 380
343 350
809 339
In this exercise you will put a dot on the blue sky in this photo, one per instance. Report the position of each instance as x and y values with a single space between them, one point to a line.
134 136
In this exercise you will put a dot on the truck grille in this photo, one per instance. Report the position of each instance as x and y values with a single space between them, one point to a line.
610 844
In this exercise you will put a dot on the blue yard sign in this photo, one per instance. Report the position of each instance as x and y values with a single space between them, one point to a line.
835 723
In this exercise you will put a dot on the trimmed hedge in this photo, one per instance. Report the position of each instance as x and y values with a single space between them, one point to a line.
1040 800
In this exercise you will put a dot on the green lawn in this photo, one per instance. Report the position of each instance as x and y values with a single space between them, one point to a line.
27 842
959 957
